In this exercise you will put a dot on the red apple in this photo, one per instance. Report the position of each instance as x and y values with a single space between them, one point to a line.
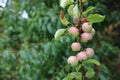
75 20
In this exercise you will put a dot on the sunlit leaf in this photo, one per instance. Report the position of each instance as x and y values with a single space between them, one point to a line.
64 21
76 75
90 8
64 3
93 61
95 18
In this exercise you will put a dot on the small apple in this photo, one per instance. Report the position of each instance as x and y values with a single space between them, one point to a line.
76 46
72 60
85 37
74 31
93 31
75 20
82 55
89 52
86 27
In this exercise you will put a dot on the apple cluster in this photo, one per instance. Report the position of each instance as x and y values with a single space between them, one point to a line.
82 55
87 30
88 33
85 33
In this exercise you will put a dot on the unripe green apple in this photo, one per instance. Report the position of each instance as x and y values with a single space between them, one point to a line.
82 55
70 10
73 10
89 52
75 20
76 46
76 11
85 37
93 32
74 31
72 60
86 27
59 33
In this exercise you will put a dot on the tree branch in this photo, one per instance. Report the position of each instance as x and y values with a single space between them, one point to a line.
80 10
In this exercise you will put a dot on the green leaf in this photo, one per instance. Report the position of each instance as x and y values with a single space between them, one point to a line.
68 77
64 21
64 3
76 75
59 33
101 77
93 61
95 18
90 8
90 73
78 67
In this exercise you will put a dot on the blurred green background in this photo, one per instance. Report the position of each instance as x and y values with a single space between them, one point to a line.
29 52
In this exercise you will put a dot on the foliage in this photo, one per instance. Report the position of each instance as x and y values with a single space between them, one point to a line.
28 50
